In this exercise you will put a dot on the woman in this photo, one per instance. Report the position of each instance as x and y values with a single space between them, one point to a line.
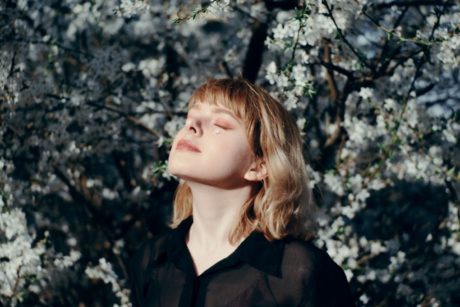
242 217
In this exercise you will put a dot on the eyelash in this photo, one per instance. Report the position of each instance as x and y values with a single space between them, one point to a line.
222 127
214 124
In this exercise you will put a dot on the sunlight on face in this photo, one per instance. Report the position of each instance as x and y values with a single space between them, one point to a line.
211 148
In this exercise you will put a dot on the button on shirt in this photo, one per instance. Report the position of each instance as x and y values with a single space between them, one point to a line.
287 272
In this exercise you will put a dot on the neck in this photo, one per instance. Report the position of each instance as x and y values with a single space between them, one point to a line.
216 212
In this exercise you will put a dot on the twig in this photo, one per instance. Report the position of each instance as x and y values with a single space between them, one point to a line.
91 211
301 18
330 73
342 36
130 118
196 12
49 44
388 60
415 3
243 12
224 66
336 68
16 282
391 33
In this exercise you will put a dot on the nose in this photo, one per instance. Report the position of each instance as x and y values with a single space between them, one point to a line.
193 126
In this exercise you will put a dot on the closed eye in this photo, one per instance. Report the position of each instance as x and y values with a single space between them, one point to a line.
220 126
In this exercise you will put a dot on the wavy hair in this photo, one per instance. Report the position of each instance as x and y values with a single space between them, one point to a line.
281 204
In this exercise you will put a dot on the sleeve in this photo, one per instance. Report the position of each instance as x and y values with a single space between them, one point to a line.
332 288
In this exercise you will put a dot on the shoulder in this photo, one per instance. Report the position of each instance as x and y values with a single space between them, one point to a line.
150 252
307 255
315 269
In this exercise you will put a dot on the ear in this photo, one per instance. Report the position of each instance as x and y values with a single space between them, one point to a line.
257 171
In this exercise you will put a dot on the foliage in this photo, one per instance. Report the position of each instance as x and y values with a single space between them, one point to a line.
91 93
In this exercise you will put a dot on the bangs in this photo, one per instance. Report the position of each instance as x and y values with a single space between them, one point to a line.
232 95
237 96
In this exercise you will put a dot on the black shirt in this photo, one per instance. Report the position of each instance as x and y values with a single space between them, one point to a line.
259 272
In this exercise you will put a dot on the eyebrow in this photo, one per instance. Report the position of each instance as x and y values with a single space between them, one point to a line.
216 110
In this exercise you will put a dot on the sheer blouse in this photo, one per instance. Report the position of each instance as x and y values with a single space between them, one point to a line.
287 272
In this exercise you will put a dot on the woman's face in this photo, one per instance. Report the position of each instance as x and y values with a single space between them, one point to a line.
212 148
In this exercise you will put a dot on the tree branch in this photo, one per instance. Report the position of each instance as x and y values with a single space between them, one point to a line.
90 203
130 118
283 5
330 72
344 39
336 68
254 53
414 3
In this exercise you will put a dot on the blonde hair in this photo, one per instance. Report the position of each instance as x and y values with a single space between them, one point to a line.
281 204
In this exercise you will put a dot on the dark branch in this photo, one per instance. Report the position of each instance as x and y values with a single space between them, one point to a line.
414 3
337 68
137 122
283 5
101 221
254 54
344 39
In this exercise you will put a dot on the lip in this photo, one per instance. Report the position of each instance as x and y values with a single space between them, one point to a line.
186 145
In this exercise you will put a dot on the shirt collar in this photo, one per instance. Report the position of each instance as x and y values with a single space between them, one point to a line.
255 250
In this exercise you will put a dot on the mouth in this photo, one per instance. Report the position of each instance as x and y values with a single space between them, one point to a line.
186 146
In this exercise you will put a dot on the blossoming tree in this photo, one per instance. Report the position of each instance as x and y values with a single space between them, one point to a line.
91 93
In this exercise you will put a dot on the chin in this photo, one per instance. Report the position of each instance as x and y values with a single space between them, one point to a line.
179 171
173 171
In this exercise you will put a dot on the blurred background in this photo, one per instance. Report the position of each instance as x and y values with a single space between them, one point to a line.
92 93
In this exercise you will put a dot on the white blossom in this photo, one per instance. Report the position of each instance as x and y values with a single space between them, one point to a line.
129 8
334 183
271 73
105 272
366 93
85 83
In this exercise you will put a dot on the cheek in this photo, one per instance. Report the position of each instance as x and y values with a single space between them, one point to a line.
232 150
